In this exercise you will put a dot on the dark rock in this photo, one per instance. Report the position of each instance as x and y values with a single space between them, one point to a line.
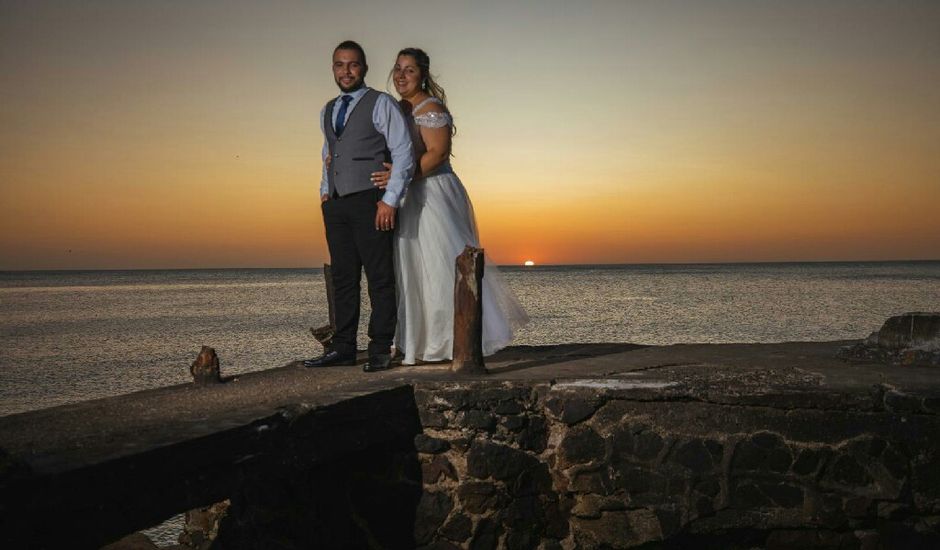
497 461
808 462
570 410
477 497
135 541
747 457
532 481
717 450
440 544
644 526
493 396
201 527
908 339
508 407
556 514
535 435
763 451
876 447
845 470
931 405
577 410
746 495
525 510
461 444
677 486
611 530
708 487
618 529
475 420
901 402
814 538
588 506
591 506
594 480
447 399
695 456
457 528
512 423
926 477
829 511
433 509
205 369
431 445
581 444
895 463
766 440
783 495
647 445
523 537
621 440
432 419
859 507
612 414
670 521
432 471
893 510
637 480
910 330
868 540
486 536
704 506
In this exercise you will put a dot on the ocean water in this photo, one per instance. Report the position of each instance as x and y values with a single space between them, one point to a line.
74 335
69 336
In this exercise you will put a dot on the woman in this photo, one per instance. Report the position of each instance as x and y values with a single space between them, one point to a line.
435 223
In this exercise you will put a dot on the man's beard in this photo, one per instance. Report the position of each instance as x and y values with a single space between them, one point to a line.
352 88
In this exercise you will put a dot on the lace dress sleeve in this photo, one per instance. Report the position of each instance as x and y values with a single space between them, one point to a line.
433 119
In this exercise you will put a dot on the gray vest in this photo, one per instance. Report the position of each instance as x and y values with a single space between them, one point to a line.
358 152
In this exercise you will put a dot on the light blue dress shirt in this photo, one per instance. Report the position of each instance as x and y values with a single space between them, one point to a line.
390 122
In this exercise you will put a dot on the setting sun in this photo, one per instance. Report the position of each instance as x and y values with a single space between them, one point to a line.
529 263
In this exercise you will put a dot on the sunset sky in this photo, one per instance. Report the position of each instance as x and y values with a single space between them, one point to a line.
173 134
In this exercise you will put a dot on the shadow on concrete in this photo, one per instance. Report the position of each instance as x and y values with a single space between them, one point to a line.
527 357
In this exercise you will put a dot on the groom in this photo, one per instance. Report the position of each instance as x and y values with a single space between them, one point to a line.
362 129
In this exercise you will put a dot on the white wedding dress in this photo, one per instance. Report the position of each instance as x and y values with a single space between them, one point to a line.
435 223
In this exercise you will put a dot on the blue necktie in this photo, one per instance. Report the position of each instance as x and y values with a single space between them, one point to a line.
341 115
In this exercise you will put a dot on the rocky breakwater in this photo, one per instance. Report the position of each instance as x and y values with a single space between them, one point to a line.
772 446
908 339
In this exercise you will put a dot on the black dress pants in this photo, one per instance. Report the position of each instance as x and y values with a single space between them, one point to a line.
355 244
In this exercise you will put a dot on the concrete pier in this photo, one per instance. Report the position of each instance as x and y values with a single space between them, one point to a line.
568 446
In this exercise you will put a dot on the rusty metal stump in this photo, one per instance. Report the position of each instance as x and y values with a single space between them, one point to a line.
468 313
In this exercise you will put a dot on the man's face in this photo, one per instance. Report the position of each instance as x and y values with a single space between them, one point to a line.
348 70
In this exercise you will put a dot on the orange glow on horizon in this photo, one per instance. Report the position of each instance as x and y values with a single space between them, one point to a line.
197 144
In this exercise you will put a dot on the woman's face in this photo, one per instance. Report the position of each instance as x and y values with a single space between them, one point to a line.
407 76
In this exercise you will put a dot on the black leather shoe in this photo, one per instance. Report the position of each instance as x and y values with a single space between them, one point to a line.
331 359
378 362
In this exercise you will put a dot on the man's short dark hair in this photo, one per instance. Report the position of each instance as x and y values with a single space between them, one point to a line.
352 45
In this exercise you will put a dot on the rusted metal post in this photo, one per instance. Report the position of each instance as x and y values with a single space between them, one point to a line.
324 334
468 313
206 368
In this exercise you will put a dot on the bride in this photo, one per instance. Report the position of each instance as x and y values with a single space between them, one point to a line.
435 223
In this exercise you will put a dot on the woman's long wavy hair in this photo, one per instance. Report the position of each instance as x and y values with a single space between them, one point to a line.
428 84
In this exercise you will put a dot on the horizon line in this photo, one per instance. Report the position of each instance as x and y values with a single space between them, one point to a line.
519 265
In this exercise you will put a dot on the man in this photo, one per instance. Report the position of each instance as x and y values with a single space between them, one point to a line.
362 129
